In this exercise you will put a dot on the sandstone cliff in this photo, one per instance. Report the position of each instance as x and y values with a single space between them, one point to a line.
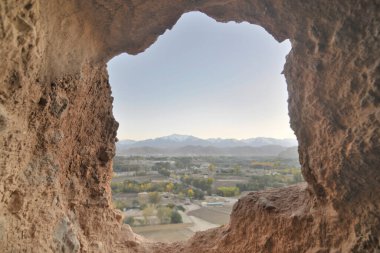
57 131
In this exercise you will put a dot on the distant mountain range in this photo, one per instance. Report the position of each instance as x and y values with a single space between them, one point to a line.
178 145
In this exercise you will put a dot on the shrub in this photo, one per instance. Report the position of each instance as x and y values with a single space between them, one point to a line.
176 217
121 204
154 197
170 205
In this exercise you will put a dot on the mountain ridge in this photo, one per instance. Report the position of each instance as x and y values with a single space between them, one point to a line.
184 140
176 144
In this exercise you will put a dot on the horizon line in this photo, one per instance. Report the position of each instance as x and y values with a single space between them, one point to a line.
224 138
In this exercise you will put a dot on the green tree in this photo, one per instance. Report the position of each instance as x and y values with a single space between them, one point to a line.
176 217
181 208
199 194
164 172
228 191
154 197
170 205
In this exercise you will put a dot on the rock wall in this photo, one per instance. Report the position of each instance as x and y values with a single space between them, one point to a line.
57 131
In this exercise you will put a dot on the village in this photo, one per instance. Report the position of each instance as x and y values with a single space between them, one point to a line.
171 198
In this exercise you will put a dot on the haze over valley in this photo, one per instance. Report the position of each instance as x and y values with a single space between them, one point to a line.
188 145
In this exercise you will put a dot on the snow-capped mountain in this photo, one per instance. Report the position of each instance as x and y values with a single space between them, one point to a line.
171 141
178 137
263 141
219 142
177 141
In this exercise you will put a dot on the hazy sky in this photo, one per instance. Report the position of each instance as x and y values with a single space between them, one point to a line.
205 79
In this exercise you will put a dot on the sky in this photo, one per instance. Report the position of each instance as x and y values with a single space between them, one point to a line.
205 79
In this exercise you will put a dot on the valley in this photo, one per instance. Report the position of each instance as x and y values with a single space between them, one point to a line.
201 190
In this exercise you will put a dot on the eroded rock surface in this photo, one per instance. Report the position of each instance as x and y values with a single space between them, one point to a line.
57 131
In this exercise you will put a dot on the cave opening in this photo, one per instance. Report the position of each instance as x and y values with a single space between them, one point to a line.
203 120
58 131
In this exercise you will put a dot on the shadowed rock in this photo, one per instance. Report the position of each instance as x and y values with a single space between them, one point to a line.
332 74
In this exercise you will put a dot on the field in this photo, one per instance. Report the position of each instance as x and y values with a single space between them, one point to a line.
215 215
165 233
197 220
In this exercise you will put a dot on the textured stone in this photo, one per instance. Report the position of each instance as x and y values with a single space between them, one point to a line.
57 131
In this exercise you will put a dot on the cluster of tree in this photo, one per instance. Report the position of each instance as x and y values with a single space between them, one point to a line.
122 164
264 164
121 204
228 191
204 184
129 186
137 164
235 170
154 197
290 171
166 214
192 193
164 172
183 162
161 166
279 179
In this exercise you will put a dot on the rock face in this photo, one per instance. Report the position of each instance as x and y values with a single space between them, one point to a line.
57 131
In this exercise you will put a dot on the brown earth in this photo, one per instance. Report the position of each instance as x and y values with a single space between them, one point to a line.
57 131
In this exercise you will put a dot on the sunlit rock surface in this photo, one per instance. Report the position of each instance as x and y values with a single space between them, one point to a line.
57 131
